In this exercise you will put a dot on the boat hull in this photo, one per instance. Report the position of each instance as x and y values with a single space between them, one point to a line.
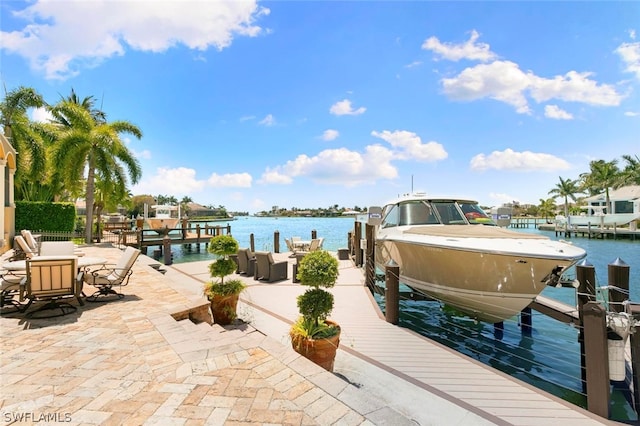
613 219
159 224
490 285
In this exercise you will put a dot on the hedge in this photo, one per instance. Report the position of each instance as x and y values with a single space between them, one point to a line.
45 216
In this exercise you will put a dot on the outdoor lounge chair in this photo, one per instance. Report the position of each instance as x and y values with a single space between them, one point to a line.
51 279
30 240
268 270
315 245
106 277
246 262
22 249
290 247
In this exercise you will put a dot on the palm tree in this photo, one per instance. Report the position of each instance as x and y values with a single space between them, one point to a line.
87 143
603 175
547 207
631 171
567 188
23 134
184 205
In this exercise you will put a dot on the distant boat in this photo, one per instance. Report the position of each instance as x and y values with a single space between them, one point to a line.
451 250
164 218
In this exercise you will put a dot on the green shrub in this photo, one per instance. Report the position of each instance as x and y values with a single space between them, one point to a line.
45 216
317 269
222 246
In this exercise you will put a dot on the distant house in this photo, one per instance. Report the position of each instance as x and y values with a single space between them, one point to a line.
198 210
622 199
8 212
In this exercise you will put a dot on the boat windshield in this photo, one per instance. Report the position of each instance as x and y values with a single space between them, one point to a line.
423 212
475 215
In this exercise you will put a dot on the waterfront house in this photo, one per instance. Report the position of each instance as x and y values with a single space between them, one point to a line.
622 200
8 211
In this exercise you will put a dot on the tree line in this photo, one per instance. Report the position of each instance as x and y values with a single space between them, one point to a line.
602 177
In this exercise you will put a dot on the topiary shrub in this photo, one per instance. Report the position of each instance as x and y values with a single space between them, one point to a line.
317 269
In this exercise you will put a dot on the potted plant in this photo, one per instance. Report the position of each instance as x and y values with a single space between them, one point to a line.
222 294
313 335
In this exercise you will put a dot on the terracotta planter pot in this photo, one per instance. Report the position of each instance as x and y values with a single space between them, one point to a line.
320 351
223 308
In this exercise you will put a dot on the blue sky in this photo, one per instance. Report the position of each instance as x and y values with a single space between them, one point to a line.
310 104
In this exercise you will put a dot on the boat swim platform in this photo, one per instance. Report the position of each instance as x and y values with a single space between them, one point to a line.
431 382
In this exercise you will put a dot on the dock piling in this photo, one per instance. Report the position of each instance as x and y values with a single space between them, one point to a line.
391 294
526 321
618 284
586 276
597 360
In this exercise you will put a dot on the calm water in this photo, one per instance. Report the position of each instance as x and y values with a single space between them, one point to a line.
548 359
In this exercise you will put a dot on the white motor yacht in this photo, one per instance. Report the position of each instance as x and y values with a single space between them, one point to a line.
450 250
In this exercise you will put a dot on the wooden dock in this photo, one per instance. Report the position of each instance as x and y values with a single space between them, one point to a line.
593 232
439 371
145 238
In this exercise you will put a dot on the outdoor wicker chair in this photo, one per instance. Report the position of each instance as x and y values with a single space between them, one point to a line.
246 262
269 270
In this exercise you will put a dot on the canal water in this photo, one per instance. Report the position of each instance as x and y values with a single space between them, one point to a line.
549 358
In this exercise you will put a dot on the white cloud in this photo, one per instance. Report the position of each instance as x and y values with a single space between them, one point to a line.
344 107
632 114
501 198
275 176
60 38
455 52
411 147
330 135
574 87
178 181
41 115
268 121
505 82
413 64
235 180
630 54
525 161
499 80
555 112
247 118
145 154
337 166
181 181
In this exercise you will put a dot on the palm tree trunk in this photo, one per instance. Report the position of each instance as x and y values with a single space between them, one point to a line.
89 202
